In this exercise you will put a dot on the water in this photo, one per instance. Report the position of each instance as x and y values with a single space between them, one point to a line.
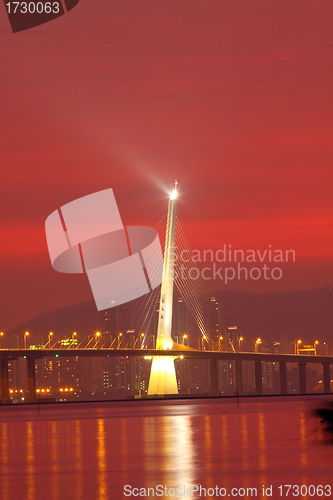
90 451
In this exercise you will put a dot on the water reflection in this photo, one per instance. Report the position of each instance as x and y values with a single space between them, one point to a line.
225 451
184 451
93 455
303 446
4 477
208 447
245 446
303 455
125 447
262 443
30 461
149 440
169 454
101 460
78 458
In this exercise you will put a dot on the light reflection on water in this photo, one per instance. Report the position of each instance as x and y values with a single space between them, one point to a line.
90 451
4 462
30 461
78 458
225 465
262 456
101 459
53 460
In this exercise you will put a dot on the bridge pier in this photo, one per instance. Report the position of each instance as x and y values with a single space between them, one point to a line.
283 377
239 376
213 377
258 377
327 377
31 379
302 377
4 381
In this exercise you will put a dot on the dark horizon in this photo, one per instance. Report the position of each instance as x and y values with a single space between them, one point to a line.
307 313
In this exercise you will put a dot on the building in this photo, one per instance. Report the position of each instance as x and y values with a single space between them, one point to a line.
180 321
212 321
235 337
286 346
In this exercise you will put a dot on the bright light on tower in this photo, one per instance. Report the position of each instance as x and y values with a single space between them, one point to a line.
174 192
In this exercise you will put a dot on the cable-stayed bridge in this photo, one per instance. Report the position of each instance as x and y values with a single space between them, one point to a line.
216 345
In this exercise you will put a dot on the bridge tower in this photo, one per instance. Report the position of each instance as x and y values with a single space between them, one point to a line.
163 375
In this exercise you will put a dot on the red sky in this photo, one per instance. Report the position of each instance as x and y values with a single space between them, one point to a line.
234 99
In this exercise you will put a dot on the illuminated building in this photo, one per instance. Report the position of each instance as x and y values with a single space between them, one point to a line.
235 337
286 346
212 320
180 321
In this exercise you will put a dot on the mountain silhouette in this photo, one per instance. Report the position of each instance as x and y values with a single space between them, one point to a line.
307 314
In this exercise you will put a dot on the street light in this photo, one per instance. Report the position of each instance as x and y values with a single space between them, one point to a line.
1 335
220 341
119 339
326 348
97 337
50 335
142 337
73 339
315 346
256 345
25 339
297 346
184 337
239 343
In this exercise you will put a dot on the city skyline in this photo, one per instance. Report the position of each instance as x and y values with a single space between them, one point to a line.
77 378
306 313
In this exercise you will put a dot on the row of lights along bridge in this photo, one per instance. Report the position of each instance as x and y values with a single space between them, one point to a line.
97 341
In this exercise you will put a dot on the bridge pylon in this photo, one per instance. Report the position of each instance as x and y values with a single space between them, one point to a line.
163 375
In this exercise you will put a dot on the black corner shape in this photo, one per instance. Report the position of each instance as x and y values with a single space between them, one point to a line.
70 4
24 15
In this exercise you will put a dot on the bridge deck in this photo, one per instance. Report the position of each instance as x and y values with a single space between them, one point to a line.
243 356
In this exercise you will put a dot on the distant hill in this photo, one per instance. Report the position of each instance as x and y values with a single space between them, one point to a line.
308 314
